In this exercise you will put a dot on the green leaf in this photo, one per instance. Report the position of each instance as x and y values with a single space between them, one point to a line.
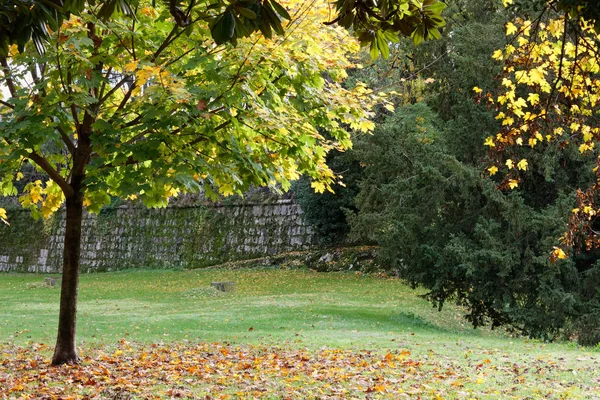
434 34
418 35
246 12
382 44
436 8
223 29
273 19
265 28
281 10
374 51
107 9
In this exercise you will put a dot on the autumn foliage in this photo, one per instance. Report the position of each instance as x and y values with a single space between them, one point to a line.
550 90
221 371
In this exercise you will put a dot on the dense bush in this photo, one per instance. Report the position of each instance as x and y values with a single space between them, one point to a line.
427 200
444 226
326 212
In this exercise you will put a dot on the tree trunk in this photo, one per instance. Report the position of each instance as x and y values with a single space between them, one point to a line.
66 350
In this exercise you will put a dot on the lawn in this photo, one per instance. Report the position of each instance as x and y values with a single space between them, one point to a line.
282 333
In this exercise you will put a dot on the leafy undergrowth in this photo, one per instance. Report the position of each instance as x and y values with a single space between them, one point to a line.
212 370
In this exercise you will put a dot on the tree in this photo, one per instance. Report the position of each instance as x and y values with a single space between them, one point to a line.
374 23
548 100
142 109
427 200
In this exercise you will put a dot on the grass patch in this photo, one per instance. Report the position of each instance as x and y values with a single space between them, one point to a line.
295 306
359 336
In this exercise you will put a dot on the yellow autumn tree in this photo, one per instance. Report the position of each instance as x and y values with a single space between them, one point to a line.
141 108
549 96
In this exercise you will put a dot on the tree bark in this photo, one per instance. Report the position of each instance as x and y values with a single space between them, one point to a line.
66 349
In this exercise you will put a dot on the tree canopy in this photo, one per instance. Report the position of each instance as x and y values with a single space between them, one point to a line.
375 24
548 99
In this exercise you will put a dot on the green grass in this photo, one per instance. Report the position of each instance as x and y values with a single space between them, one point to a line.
297 310
272 306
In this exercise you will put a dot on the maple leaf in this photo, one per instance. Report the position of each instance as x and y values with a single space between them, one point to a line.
3 216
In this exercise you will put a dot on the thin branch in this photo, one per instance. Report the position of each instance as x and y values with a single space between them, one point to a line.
171 37
59 67
67 140
133 33
133 122
179 57
4 103
52 173
9 81
103 87
560 65
123 102
123 81
74 114
34 74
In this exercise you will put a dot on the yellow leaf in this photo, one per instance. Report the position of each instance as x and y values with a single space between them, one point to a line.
132 66
519 141
507 82
522 41
586 147
513 183
489 141
318 186
559 253
589 210
509 163
226 189
510 28
574 126
522 165
536 76
477 90
493 170
558 131
508 121
3 216
498 55
13 50
533 98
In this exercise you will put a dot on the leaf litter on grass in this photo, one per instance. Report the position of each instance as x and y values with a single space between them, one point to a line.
221 371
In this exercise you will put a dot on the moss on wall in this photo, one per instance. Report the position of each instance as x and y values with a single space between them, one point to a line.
128 237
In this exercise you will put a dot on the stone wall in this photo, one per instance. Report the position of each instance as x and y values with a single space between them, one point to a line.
130 237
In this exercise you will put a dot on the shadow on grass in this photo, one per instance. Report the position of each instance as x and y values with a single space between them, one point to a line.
411 321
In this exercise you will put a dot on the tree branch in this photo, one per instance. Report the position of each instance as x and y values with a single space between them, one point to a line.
52 173
123 102
4 103
67 140
103 87
123 81
9 81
